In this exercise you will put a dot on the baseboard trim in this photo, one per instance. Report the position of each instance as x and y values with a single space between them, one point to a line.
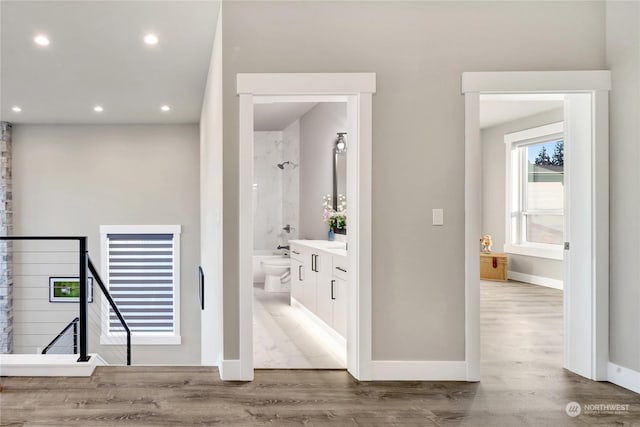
47 365
412 370
535 280
624 377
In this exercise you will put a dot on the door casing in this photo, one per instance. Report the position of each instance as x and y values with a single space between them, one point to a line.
357 90
586 305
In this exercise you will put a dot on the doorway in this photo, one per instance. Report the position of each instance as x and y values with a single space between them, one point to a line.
294 169
356 90
585 307
521 267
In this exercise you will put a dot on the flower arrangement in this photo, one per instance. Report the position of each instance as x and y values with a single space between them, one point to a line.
336 218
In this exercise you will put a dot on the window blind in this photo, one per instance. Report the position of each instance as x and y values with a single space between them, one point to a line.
141 281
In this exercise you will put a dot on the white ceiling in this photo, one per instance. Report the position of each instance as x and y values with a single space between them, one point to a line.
277 116
498 109
97 56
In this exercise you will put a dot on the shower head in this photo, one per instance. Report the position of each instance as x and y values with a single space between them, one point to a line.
281 165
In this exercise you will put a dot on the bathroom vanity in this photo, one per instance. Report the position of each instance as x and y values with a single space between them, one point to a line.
319 283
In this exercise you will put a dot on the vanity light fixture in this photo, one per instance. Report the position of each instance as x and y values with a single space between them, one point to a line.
341 143
151 39
165 108
16 109
41 40
98 109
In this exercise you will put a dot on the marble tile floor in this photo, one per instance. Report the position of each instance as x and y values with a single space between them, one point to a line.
280 341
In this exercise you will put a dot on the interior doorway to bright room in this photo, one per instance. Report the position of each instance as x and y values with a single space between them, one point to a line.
299 311
533 182
356 90
521 255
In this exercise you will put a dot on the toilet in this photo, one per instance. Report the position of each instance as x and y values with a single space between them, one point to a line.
277 276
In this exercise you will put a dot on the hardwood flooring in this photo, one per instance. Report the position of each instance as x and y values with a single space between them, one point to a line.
522 384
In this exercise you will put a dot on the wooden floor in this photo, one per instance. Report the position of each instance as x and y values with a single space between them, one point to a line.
522 384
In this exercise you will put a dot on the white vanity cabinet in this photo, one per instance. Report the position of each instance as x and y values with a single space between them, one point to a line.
339 294
324 302
302 279
319 282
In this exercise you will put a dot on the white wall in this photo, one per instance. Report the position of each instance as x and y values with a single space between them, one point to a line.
493 193
211 206
318 134
623 59
70 179
36 320
418 51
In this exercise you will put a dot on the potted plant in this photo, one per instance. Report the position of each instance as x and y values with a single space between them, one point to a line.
336 218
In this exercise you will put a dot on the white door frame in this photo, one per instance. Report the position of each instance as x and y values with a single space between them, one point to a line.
596 296
357 89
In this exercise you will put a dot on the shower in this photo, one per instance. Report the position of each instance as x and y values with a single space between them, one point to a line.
281 165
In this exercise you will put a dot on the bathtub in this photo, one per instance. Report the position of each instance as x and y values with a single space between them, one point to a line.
258 257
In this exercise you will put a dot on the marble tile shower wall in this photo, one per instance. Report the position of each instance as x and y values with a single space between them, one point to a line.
275 191
291 179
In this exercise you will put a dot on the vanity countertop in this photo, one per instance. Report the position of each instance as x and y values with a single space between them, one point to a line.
334 248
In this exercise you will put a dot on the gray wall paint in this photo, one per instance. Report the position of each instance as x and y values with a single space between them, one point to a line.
493 192
418 50
318 133
623 59
69 180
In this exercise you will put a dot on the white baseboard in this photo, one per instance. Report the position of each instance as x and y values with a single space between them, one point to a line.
535 280
624 377
47 365
411 370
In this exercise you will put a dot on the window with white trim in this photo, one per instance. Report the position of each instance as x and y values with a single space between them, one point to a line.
140 265
535 191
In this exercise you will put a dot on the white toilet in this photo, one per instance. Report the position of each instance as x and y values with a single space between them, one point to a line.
277 275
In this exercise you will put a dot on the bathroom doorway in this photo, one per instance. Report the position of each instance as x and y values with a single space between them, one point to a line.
356 89
294 160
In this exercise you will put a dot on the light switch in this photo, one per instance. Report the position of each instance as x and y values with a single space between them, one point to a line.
438 216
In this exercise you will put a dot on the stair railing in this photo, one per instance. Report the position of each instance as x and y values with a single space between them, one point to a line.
113 306
80 324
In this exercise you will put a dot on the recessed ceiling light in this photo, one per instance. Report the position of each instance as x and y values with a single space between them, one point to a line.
165 108
16 109
98 109
151 39
41 40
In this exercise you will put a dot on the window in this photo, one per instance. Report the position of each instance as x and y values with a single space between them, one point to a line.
535 191
140 265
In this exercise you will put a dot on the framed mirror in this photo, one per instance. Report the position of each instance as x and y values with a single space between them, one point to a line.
340 179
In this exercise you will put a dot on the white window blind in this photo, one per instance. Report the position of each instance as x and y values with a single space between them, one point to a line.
141 281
